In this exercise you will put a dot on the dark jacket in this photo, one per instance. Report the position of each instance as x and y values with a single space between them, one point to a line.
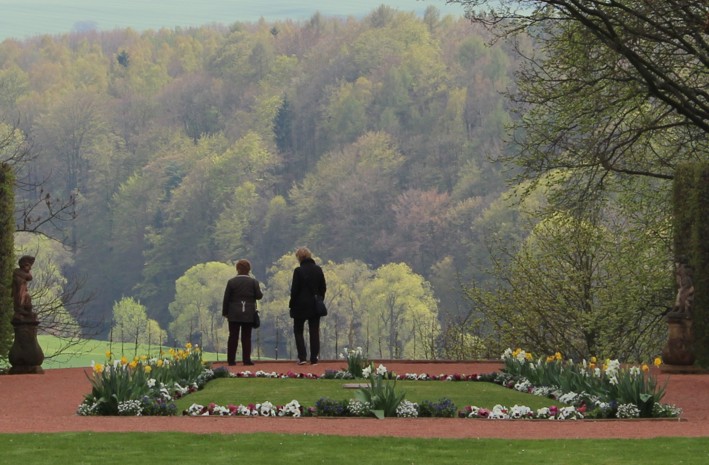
308 280
240 298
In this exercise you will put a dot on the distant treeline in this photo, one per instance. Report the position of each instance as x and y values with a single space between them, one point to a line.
369 141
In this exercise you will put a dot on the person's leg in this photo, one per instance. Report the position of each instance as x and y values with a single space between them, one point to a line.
246 343
314 330
298 327
232 343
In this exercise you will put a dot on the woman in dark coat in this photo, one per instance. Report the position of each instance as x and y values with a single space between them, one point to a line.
239 307
308 280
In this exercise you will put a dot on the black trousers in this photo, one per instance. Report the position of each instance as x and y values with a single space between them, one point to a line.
314 330
233 342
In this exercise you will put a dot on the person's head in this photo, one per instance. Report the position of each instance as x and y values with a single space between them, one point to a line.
303 253
26 262
243 266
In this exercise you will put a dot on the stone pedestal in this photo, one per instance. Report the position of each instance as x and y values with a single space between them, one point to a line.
678 352
26 355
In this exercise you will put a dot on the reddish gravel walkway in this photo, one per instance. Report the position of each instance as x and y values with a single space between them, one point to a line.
47 403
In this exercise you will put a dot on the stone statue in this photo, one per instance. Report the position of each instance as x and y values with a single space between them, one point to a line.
685 289
25 355
20 294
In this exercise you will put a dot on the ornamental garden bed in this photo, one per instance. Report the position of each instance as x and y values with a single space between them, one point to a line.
149 387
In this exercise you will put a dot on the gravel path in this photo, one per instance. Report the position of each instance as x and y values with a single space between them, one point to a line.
47 403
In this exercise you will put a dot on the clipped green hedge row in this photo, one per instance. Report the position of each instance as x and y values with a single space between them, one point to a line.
7 229
691 240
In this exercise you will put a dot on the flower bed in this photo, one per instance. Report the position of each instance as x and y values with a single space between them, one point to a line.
149 386
144 386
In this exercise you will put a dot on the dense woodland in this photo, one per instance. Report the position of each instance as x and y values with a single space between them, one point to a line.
374 142
367 140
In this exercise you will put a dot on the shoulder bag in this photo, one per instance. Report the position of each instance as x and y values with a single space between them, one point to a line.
320 308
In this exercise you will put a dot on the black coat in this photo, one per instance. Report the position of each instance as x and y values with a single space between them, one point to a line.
308 280
240 298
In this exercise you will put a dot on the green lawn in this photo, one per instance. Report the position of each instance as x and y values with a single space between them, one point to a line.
264 448
225 391
88 350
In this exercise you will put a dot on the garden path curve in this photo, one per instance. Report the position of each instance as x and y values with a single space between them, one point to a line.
47 403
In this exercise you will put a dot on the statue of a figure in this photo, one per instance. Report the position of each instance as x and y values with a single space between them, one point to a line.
685 288
25 355
20 294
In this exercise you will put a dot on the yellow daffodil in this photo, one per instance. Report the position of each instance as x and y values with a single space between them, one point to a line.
143 357
645 368
159 363
657 362
594 360
133 364
148 368
124 360
557 356
109 354
98 368
188 346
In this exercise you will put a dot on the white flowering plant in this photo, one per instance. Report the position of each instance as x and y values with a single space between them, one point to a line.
264 409
144 386
380 395
598 386
356 361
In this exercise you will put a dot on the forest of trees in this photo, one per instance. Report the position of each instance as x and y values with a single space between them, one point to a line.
370 141
376 142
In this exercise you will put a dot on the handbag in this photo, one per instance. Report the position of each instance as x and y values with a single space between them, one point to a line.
257 317
320 308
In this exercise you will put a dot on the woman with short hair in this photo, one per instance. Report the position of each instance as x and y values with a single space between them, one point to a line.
239 307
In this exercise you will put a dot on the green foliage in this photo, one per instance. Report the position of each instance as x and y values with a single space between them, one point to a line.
356 361
142 386
114 384
55 297
326 407
380 396
197 308
443 408
207 144
576 285
607 381
7 229
391 310
691 236
131 324
401 314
